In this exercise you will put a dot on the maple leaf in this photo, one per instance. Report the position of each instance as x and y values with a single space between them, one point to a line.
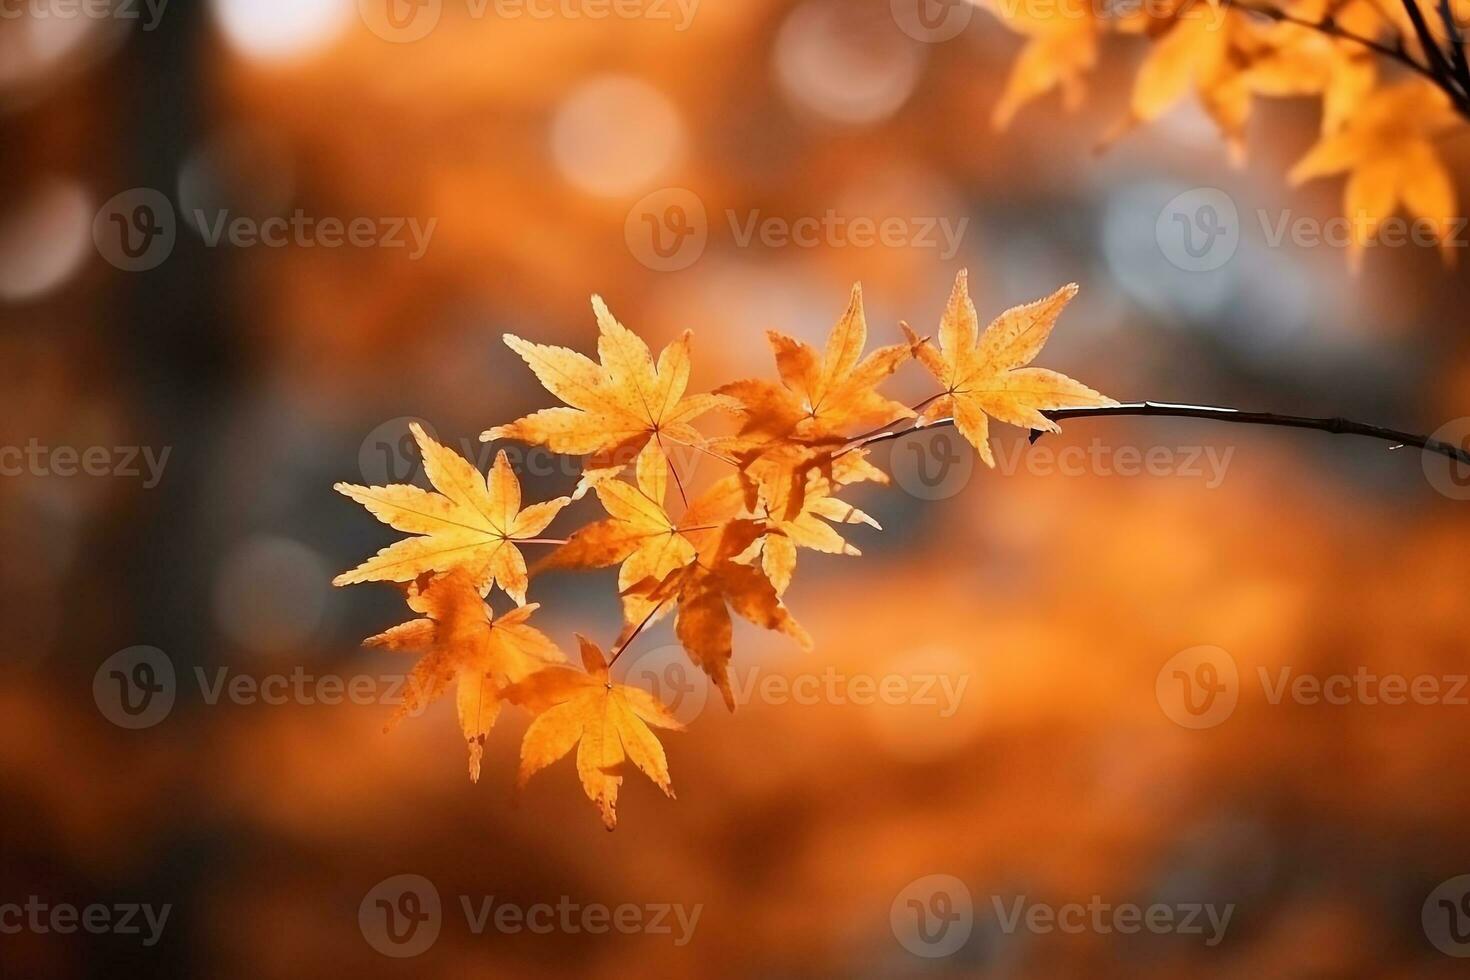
822 394
470 523
623 408
609 724
1207 48
1061 47
1387 149
641 535
986 375
707 589
1300 60
807 530
460 642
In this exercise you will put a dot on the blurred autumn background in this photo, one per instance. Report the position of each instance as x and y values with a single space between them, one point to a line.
1051 597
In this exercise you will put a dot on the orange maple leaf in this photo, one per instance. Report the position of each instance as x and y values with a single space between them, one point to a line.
458 640
1387 148
472 523
705 591
609 724
807 530
985 375
623 408
822 394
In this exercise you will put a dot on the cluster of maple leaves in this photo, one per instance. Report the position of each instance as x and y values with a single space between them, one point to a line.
1378 130
800 441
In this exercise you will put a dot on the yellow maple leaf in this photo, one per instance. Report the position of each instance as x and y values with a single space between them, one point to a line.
807 529
986 375
1061 47
621 409
823 394
609 724
1387 149
1206 48
470 523
640 533
707 589
459 641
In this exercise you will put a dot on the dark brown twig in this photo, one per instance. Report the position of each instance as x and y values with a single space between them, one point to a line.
1338 426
